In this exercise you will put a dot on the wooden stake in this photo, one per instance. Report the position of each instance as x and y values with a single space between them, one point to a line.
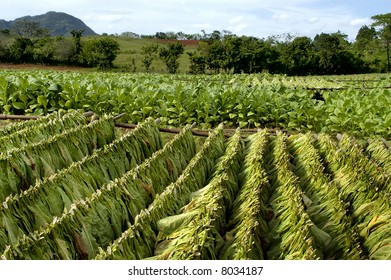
18 117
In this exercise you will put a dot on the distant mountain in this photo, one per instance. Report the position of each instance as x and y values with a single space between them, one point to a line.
58 24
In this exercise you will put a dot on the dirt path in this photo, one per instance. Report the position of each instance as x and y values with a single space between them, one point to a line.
39 67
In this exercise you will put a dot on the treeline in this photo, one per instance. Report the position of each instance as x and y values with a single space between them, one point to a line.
217 52
28 43
325 54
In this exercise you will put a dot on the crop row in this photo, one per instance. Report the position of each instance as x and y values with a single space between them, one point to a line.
234 100
262 196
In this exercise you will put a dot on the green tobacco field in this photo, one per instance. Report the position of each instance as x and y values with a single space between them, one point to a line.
358 105
291 168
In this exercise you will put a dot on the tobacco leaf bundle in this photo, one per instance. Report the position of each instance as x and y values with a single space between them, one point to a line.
41 131
104 215
36 207
292 233
201 238
143 233
247 222
323 202
31 124
369 207
19 168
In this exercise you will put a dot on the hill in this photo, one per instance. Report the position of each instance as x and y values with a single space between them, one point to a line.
58 24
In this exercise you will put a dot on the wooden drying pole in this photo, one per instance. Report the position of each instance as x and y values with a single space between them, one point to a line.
197 132
204 132
18 117
388 145
27 118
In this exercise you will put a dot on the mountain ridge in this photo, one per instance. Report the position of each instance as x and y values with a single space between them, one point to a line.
57 23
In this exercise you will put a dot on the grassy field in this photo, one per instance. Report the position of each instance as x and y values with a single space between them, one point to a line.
131 49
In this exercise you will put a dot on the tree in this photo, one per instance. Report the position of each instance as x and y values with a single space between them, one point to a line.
150 53
64 51
28 34
76 57
21 50
197 62
328 48
76 35
5 42
249 54
334 55
160 35
299 56
5 32
366 47
384 22
365 36
43 51
215 57
231 58
130 35
170 56
100 52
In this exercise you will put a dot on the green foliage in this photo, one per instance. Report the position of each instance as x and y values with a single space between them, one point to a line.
43 52
299 57
333 55
21 50
150 54
384 21
213 53
170 56
76 36
355 104
197 62
64 51
100 52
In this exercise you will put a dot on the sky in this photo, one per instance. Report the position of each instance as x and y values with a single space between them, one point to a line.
258 18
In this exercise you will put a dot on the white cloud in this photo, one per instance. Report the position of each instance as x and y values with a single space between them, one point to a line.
106 17
236 19
313 20
237 28
360 22
202 26
280 16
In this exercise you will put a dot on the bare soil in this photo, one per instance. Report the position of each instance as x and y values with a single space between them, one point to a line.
39 67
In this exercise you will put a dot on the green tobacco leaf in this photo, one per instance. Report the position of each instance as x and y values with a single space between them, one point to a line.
42 100
53 87
62 249
172 223
383 253
334 119
89 241
321 235
23 98
18 105
12 229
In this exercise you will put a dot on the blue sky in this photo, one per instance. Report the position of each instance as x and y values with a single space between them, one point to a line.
259 18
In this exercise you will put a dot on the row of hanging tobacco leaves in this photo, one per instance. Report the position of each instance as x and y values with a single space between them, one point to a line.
77 189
